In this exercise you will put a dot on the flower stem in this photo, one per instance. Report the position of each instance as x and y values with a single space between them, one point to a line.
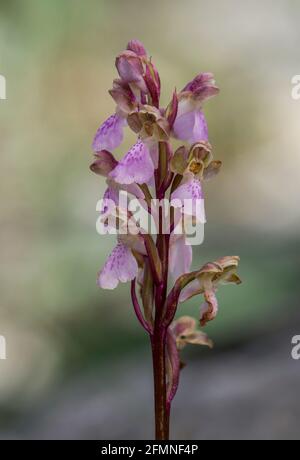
159 372
159 346
159 336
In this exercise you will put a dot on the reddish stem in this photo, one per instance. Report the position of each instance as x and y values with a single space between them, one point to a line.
159 373
158 340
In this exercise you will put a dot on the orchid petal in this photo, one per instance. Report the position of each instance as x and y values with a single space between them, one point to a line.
137 47
190 189
183 325
136 166
108 208
199 338
185 332
209 308
121 266
191 196
110 196
202 87
132 189
104 163
191 126
110 134
130 68
190 291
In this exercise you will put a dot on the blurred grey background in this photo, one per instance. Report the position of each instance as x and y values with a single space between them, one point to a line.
78 364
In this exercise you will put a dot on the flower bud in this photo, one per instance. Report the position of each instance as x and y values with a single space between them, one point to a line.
172 109
104 163
185 332
190 124
131 70
153 83
202 87
123 96
137 47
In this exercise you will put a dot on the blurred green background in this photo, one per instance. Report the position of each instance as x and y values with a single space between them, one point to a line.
58 60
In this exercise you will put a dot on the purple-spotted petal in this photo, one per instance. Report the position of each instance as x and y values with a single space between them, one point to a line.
136 166
180 256
190 196
110 134
191 189
120 266
108 208
191 126
110 196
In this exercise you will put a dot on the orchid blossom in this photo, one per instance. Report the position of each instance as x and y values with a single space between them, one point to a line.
159 263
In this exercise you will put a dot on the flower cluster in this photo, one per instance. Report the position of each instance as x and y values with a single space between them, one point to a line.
152 169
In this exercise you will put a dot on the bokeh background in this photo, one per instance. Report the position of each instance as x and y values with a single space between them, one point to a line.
78 364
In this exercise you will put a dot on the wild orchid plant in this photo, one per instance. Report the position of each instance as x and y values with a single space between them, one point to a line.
150 172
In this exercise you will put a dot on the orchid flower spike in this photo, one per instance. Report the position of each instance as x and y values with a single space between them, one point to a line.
164 189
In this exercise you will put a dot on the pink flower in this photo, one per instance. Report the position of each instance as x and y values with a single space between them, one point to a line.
108 209
190 195
202 87
111 196
104 163
207 281
132 189
110 134
190 124
137 47
181 332
135 167
185 332
121 266
131 70
156 230
139 74
190 189
123 97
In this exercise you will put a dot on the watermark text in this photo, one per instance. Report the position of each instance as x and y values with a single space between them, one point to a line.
2 347
2 87
125 216
296 87
296 347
